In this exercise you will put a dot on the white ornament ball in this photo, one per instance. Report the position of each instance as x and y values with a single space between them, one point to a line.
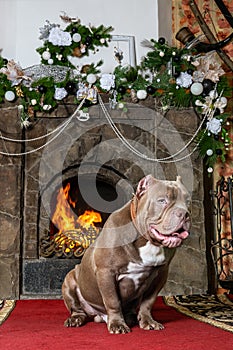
141 94
209 152
33 102
10 96
102 40
210 170
120 105
76 37
224 100
196 89
46 55
50 61
91 78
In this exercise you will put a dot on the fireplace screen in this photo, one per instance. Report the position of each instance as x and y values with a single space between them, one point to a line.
74 225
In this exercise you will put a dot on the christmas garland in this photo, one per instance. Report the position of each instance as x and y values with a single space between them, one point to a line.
175 77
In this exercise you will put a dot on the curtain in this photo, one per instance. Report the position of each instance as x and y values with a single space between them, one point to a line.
184 17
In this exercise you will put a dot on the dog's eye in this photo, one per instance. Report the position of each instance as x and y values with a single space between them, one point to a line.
162 200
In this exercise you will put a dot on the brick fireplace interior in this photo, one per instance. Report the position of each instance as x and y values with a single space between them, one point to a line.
101 174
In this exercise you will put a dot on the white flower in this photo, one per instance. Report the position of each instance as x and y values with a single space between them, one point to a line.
107 81
214 126
220 103
161 53
60 93
184 80
206 106
58 37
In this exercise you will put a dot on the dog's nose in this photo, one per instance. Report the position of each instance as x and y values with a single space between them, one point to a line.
180 212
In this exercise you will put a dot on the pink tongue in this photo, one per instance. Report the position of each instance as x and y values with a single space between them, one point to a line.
159 236
181 235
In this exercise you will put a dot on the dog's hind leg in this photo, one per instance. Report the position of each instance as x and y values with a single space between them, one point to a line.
69 291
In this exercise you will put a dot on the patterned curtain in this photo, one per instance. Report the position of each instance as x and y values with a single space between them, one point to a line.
184 17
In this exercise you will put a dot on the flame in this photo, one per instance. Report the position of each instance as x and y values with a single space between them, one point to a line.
88 218
64 217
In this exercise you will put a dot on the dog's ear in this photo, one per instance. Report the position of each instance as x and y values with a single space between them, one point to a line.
144 184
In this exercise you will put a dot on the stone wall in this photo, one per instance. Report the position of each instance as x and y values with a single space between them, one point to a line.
10 204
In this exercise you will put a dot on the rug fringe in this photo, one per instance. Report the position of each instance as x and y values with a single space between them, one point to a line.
6 309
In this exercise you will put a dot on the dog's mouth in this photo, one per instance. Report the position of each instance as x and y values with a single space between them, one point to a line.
172 240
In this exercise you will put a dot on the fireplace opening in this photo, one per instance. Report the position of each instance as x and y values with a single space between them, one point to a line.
61 248
74 223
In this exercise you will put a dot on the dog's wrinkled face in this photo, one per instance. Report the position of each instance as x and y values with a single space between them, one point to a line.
166 219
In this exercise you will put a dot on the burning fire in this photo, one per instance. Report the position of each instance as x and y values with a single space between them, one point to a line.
88 218
74 233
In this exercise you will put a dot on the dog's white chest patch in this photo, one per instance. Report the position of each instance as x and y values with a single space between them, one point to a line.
151 256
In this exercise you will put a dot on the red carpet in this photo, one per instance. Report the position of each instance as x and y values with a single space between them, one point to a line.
38 325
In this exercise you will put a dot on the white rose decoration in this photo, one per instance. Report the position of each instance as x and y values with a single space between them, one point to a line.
107 81
60 38
214 126
184 80
60 93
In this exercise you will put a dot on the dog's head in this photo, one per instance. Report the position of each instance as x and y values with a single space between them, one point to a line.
162 213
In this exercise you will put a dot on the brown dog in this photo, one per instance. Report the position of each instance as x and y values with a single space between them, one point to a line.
127 266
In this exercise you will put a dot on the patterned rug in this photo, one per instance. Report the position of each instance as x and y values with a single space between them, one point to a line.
216 310
6 306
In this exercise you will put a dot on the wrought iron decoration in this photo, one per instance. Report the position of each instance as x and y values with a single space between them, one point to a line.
222 249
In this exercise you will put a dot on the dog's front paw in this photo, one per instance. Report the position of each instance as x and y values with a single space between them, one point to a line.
148 323
75 321
118 327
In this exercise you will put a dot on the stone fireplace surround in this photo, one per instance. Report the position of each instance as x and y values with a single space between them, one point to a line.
86 149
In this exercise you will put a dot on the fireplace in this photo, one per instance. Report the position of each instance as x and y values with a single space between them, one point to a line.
95 173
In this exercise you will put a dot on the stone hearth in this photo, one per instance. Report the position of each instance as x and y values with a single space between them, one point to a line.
90 150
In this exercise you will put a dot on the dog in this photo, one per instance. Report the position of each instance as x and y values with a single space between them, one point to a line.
121 274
